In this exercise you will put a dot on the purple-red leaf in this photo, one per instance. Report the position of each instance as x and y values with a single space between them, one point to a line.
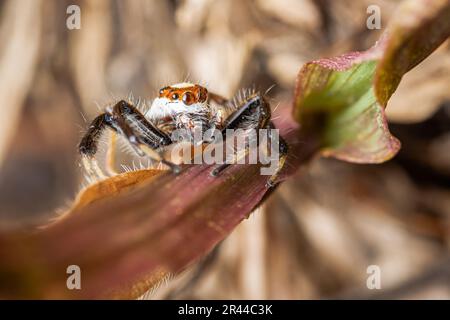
128 232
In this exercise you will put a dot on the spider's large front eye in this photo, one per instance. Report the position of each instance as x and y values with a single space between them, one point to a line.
188 98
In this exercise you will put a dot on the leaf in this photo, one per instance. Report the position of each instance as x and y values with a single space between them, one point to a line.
127 235
341 100
131 231
112 186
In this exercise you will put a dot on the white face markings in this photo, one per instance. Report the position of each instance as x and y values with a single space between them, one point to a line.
181 98
163 107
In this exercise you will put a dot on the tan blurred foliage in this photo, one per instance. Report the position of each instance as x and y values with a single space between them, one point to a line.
319 232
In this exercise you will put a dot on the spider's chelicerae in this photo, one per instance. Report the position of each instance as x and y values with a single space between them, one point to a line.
181 106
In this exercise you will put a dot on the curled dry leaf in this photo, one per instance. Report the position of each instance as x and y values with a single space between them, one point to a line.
416 100
129 232
342 99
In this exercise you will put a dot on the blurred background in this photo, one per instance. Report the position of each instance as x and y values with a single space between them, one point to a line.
319 232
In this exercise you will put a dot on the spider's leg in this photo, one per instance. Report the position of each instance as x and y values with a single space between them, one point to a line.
140 132
236 157
151 135
282 151
254 113
89 145
218 169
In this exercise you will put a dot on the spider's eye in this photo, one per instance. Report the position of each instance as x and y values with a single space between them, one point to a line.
188 98
161 92
175 96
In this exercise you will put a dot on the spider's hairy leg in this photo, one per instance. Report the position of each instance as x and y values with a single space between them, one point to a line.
236 157
126 120
141 133
89 145
130 119
253 114
218 169
282 152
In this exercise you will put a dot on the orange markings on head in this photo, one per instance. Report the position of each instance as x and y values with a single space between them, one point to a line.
189 94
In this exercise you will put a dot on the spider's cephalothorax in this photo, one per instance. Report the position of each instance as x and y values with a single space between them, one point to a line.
180 106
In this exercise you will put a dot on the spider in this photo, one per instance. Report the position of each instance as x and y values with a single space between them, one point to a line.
186 106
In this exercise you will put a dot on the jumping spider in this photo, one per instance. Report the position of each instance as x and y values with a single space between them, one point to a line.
185 106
